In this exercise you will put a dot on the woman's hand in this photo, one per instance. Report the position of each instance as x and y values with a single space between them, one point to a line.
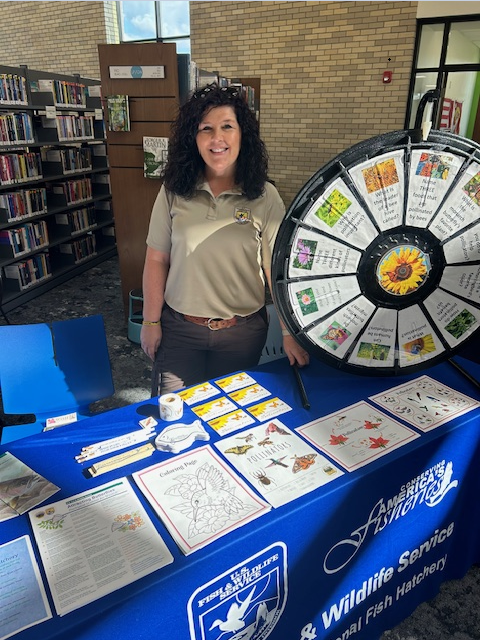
294 352
150 338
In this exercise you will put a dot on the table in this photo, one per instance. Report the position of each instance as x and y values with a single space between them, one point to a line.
343 556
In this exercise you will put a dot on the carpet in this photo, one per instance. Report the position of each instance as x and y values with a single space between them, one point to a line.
454 614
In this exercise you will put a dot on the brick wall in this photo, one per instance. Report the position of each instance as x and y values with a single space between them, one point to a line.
59 37
320 65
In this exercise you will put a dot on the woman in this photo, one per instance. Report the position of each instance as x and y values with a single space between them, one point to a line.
209 247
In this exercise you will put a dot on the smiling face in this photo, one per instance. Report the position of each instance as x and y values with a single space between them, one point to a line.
218 140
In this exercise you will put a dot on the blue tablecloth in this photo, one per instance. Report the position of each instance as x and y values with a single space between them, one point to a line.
349 560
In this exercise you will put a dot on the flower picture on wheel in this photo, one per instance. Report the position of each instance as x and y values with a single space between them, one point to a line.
403 270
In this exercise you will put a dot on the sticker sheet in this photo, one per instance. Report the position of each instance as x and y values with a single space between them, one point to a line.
357 435
278 462
198 497
425 403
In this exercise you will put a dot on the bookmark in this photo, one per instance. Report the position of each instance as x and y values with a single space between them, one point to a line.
114 444
115 462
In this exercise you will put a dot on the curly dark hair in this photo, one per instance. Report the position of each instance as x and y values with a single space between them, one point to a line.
185 164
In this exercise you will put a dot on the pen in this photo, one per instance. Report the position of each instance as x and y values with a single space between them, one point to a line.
301 386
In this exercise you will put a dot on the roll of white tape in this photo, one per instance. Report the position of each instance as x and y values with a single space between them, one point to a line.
171 407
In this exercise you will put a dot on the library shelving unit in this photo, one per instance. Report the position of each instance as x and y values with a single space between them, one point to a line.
56 216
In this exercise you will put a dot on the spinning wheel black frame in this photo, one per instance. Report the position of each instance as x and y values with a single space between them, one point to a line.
376 266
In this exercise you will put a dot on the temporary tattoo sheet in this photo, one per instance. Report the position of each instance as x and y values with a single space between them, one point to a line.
199 498
269 409
357 435
279 463
214 408
96 542
425 403
231 422
199 393
21 488
250 394
237 381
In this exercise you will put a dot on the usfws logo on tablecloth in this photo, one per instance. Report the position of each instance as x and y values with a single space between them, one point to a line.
248 599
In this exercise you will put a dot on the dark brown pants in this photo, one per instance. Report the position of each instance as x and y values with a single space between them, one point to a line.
190 354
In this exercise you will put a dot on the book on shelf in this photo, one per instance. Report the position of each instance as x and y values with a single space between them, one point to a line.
118 113
155 153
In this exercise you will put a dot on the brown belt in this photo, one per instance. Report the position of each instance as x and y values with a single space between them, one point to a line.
214 324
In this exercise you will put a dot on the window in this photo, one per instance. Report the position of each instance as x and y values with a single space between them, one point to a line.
159 21
448 59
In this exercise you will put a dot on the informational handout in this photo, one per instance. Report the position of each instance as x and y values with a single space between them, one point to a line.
21 488
425 403
96 542
357 435
23 601
278 462
198 497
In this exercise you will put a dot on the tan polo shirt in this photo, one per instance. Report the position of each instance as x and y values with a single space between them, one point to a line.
217 248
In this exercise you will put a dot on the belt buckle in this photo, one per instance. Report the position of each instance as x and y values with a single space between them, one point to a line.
213 320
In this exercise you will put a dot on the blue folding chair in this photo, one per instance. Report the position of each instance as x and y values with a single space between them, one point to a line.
51 370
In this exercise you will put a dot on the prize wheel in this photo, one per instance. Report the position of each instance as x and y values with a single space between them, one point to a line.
376 266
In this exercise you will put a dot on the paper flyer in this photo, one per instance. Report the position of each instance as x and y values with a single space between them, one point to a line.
357 435
456 319
316 255
21 488
464 247
96 542
376 348
337 333
462 206
380 181
198 497
23 601
425 403
338 213
277 462
315 299
431 175
417 340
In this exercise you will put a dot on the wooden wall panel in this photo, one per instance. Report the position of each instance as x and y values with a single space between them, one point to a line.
153 106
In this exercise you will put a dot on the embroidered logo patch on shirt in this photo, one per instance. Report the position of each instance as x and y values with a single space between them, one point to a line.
242 216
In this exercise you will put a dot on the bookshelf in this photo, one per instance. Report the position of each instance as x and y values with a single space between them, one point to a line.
56 215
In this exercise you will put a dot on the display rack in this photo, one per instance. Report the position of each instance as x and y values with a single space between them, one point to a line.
56 217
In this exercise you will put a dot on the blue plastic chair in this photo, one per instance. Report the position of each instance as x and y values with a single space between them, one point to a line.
51 370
